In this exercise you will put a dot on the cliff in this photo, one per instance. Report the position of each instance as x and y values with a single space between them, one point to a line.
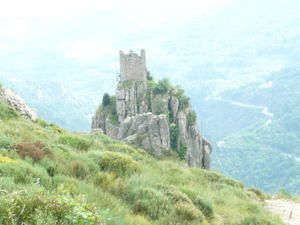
16 102
153 115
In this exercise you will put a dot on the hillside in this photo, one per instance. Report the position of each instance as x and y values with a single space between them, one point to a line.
219 59
51 176
264 151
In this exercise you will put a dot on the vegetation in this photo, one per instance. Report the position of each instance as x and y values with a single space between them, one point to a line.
174 134
106 101
108 107
162 87
192 118
50 176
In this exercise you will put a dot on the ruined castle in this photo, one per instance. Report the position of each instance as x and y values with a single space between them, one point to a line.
133 66
157 119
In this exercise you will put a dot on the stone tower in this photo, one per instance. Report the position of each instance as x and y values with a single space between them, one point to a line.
133 66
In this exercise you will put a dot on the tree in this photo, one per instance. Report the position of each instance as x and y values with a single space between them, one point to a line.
106 100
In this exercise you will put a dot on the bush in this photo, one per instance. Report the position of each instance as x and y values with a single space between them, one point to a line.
106 100
37 151
24 173
184 101
192 118
162 87
177 196
7 112
151 203
52 126
205 207
5 141
41 122
55 208
215 177
121 147
74 141
174 134
284 194
258 193
149 76
188 212
118 163
79 169
182 151
111 183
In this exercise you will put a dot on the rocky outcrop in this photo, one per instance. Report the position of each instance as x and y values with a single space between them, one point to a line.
152 121
131 99
16 102
153 115
148 131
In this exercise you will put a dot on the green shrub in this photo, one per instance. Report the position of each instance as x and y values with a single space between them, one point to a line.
23 173
182 151
205 207
215 177
121 147
184 101
7 183
188 212
106 100
52 126
7 112
284 194
258 193
79 169
149 76
75 141
41 122
5 141
108 107
162 87
177 196
151 203
111 183
118 163
192 118
174 134
57 208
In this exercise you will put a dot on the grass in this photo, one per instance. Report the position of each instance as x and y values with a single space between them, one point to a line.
92 179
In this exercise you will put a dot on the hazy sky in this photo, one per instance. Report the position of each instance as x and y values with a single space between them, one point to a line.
55 47
54 37
19 20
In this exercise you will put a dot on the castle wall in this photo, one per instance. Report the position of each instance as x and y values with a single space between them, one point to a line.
133 66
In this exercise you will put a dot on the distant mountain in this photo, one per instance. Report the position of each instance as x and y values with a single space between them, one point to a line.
266 152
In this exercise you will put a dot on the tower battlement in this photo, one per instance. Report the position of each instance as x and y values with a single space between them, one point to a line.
133 66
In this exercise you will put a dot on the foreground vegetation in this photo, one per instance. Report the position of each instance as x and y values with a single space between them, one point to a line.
50 176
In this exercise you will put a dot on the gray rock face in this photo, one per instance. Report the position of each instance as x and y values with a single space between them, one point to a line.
154 121
131 99
148 131
16 102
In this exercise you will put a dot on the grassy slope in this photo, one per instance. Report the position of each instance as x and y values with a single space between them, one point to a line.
91 179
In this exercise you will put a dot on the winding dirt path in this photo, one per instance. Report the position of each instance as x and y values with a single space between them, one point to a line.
288 211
